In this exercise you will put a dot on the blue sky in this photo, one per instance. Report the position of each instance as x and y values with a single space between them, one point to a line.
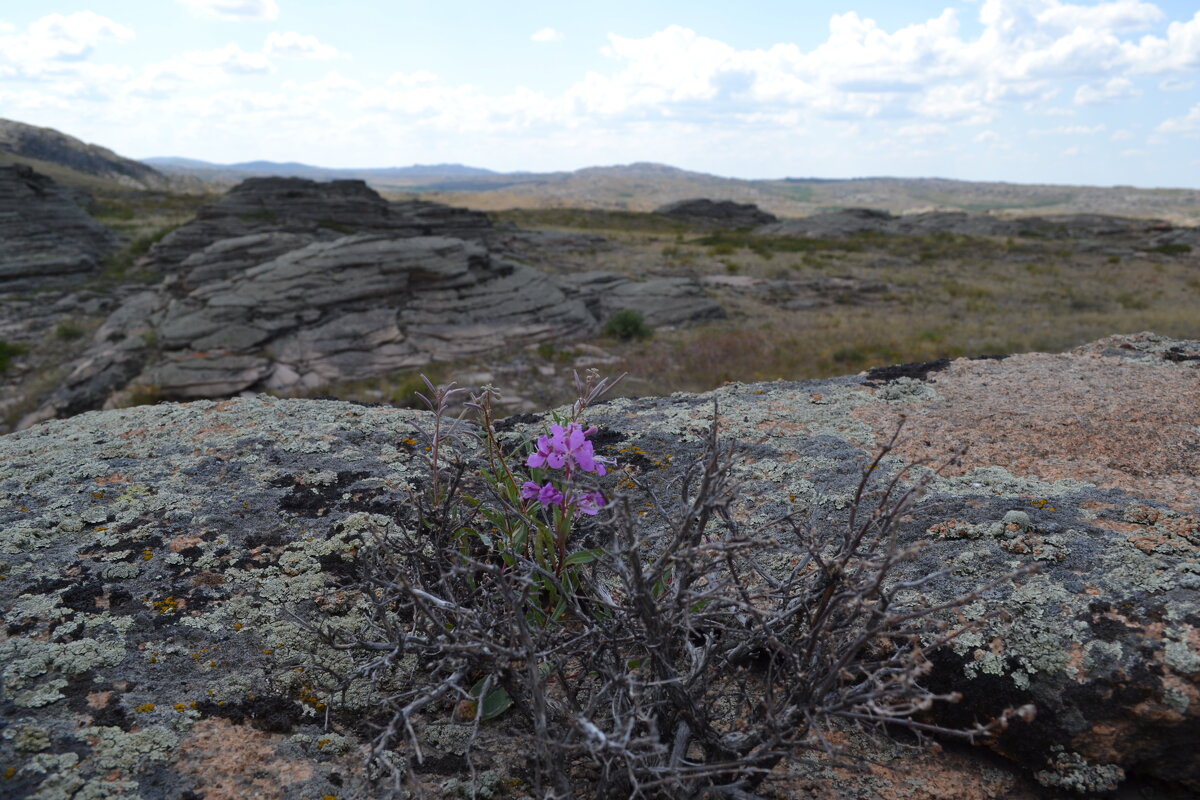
1029 91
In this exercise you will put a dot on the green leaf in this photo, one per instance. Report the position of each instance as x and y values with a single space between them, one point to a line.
584 557
495 702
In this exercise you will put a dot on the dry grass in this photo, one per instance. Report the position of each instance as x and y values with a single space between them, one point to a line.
946 297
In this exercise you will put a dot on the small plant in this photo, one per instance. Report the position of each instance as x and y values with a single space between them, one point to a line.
680 655
1171 249
143 394
68 331
627 325
8 351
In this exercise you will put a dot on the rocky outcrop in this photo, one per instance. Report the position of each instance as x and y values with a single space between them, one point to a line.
48 240
47 144
154 559
1090 231
306 211
345 309
719 213
289 285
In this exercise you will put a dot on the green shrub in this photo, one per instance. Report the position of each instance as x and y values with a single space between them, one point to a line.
8 351
627 325
68 331
1171 249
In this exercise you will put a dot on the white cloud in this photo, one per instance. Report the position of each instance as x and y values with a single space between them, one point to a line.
887 90
1187 124
232 60
1110 91
923 130
546 35
1123 15
1071 130
295 45
1122 135
1178 52
197 69
1175 85
250 10
1071 152
60 38
409 79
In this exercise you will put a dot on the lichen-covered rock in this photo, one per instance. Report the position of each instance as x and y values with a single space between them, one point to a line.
46 239
151 559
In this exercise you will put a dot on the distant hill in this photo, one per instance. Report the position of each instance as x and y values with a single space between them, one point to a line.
380 177
647 186
72 161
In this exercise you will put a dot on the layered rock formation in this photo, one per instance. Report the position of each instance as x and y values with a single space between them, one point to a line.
47 144
48 240
153 559
719 213
288 285
308 212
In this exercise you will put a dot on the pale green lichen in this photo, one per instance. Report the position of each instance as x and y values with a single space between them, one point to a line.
329 743
1034 642
1181 658
999 482
1099 651
113 748
907 390
31 738
28 659
1176 700
486 784
1072 771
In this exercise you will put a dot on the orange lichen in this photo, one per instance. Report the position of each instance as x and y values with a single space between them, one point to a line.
168 605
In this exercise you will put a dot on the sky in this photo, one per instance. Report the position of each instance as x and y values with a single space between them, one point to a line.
1028 91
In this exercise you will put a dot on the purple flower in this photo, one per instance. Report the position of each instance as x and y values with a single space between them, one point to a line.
567 447
590 503
546 495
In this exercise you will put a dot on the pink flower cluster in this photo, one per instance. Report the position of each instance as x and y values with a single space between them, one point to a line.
566 448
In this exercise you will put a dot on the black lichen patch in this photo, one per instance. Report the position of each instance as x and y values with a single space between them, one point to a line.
191 553
316 501
446 764
1178 354
985 697
270 539
508 423
99 700
606 438
916 369
1105 628
333 565
270 714
82 596
120 601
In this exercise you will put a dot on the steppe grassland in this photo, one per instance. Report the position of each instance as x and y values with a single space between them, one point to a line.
946 296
